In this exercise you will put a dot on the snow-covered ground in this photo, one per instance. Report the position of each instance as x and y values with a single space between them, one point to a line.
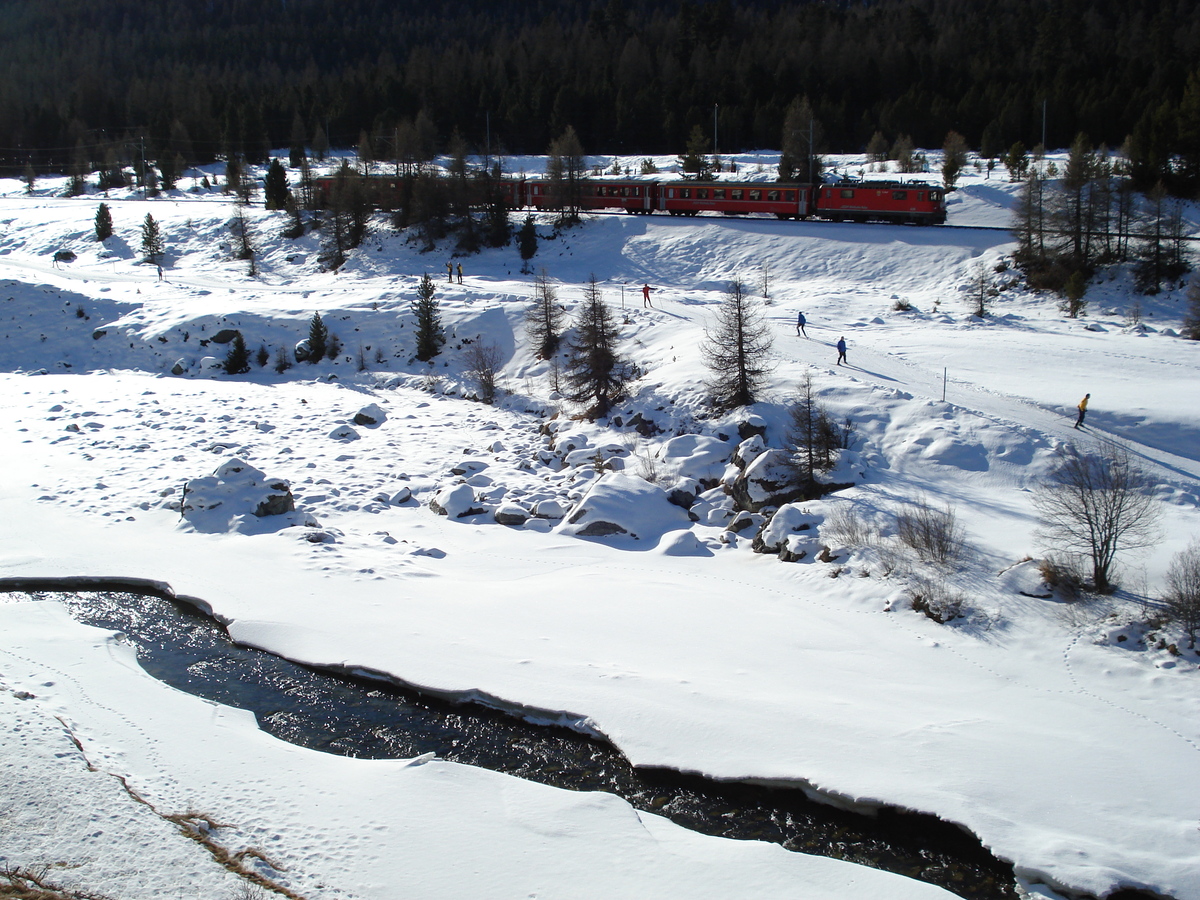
1066 736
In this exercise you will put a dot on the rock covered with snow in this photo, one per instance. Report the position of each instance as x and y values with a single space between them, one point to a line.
549 509
510 513
456 502
748 451
769 480
623 505
370 415
698 457
221 501
791 532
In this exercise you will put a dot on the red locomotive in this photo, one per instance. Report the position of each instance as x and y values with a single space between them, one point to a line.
882 201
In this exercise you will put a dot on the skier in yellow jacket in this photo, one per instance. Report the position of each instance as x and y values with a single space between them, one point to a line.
1082 407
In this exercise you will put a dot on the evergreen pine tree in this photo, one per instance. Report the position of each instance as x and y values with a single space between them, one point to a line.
813 438
877 149
320 144
1016 160
595 374
802 136
694 160
152 240
233 176
318 337
241 231
275 188
237 360
498 231
104 223
429 325
1191 318
543 321
296 144
902 153
954 157
565 169
527 241
737 350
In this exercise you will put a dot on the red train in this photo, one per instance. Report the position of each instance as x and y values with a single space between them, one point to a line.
854 201
915 203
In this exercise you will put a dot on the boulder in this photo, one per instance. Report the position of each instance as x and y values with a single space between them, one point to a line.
455 502
225 335
751 427
790 519
694 457
745 521
511 514
344 433
619 504
549 509
769 480
749 450
369 415
234 490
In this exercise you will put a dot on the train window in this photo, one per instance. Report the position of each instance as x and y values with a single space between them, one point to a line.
789 196
935 196
637 192
899 195
756 195
736 194
772 195
701 193
718 193
685 193
671 192
847 193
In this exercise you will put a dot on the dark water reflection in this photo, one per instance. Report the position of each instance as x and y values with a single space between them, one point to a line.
362 718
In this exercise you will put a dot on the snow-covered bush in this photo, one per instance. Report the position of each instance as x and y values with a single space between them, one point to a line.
933 533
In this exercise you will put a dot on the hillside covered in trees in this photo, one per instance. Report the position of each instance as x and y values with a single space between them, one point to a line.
223 77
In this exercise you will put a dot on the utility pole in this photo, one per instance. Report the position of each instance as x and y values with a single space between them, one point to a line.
810 149
715 129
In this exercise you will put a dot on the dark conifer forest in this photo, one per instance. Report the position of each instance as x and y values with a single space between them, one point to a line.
202 79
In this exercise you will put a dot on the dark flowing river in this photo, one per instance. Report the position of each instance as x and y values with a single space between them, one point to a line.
357 717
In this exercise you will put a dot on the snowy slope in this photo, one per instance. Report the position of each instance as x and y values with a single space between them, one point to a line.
1067 751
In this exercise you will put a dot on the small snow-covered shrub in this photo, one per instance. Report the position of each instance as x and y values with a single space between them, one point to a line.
483 368
933 533
1064 575
845 525
936 600
1183 591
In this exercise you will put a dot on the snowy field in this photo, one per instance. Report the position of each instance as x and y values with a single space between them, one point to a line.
1066 736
